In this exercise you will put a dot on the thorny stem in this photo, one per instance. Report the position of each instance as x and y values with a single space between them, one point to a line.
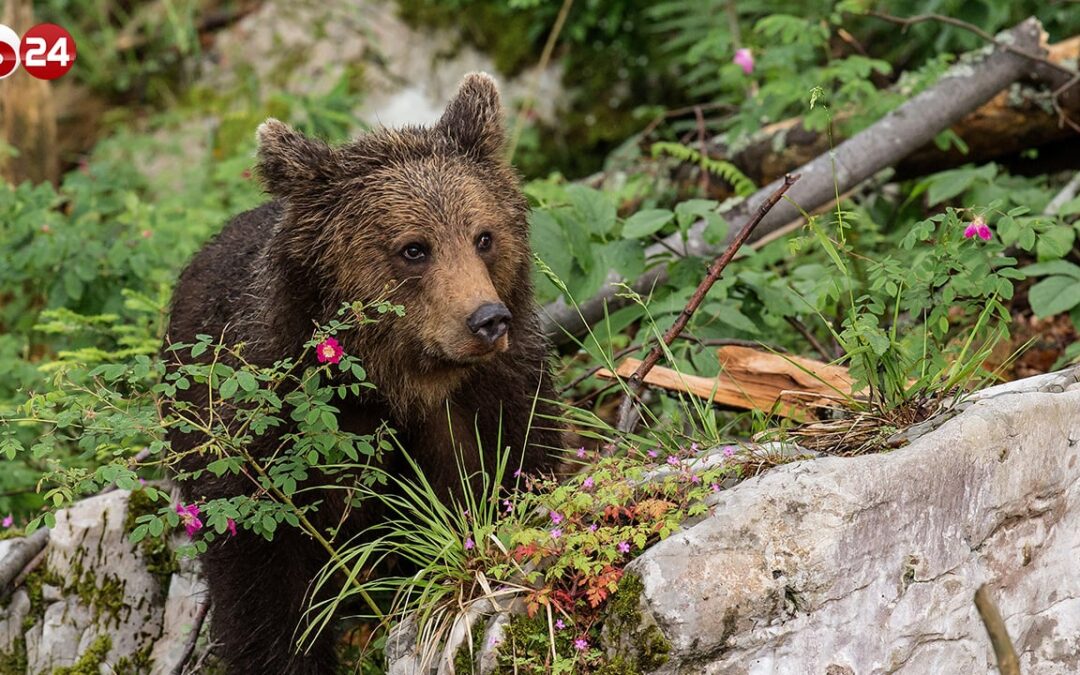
313 531
628 418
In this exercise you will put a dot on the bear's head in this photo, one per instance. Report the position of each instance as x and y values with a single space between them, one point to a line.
432 218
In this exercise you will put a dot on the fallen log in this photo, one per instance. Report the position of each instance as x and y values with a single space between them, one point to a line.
21 554
752 379
883 144
1010 122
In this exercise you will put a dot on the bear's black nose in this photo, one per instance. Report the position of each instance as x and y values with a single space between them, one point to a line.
490 321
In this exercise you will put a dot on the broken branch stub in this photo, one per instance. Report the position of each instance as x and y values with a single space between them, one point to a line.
966 86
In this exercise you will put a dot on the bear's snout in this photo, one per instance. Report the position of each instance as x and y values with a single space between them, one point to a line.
489 322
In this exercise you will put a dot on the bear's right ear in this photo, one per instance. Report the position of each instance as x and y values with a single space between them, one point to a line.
290 163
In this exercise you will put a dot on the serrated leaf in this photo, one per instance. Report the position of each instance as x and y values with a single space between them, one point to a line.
595 209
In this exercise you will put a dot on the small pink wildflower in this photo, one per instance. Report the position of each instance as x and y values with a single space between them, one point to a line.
329 351
694 447
493 641
652 453
715 487
517 473
581 644
556 533
556 517
624 547
587 483
8 521
581 452
695 479
729 450
559 625
978 228
469 544
673 460
230 525
189 516
594 527
508 506
744 58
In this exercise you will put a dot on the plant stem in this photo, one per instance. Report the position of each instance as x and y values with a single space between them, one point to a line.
628 418
545 59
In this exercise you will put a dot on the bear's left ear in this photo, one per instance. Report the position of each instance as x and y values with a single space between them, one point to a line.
473 118
292 164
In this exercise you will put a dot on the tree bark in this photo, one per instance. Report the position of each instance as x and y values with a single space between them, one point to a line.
964 88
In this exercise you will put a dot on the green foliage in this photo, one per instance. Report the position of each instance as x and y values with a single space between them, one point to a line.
887 283
742 185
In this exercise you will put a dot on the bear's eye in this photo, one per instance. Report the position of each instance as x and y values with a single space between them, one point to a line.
483 242
414 252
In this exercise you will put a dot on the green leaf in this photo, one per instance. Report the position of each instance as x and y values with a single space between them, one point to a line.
1054 295
595 209
247 381
550 244
644 223
626 257
1058 267
1055 242
228 388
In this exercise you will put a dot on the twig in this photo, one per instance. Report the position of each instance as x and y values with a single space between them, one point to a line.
193 637
30 567
679 112
627 418
1007 662
545 59
197 668
703 144
805 332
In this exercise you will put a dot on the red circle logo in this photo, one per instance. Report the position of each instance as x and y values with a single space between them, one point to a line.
48 51
9 51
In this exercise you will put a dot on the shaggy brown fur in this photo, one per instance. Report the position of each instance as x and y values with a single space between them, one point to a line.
347 224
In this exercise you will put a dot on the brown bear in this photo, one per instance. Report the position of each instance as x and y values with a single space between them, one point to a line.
437 215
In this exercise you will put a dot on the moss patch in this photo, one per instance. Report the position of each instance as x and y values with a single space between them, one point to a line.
15 660
159 559
640 649
90 662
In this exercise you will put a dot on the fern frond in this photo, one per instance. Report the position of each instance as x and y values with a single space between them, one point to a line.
741 183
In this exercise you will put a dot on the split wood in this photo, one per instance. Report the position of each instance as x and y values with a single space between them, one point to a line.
754 379
628 417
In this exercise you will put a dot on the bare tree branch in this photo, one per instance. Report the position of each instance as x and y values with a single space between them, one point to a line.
1007 662
628 417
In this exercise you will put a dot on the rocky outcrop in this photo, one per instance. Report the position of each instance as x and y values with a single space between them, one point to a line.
95 601
869 564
